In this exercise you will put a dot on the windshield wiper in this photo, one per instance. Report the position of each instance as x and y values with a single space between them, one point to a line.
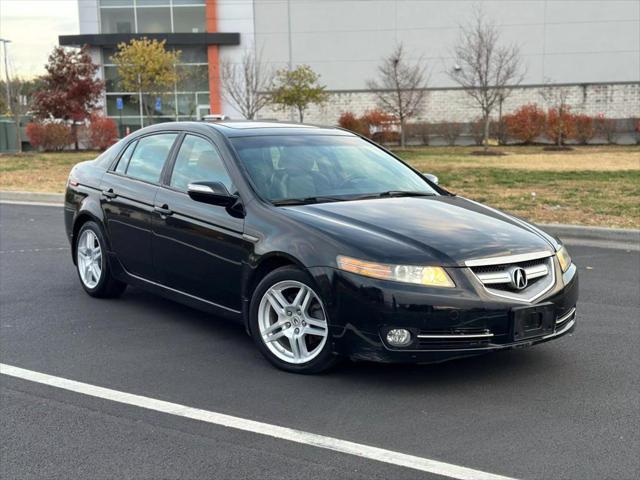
396 193
306 200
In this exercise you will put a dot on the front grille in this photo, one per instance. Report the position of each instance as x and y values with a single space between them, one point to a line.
498 278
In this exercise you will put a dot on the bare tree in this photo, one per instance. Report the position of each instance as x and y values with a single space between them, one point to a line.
484 67
400 87
244 85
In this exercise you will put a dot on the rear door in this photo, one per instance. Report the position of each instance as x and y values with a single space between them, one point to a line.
198 248
127 199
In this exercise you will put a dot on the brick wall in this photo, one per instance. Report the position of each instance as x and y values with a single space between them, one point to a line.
613 100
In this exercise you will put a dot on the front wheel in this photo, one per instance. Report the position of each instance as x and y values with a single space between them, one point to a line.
92 264
289 322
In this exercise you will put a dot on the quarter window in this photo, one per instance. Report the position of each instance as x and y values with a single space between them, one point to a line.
149 156
124 159
198 161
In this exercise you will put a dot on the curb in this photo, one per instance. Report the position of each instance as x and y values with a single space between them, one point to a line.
31 197
624 235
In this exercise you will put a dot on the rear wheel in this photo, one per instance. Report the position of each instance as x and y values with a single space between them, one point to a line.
92 264
289 322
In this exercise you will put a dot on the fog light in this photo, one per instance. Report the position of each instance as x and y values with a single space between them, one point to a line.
399 337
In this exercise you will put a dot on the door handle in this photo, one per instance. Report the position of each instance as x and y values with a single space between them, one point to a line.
109 194
164 210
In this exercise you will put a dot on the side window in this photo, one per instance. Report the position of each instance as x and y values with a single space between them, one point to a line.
198 161
149 156
124 159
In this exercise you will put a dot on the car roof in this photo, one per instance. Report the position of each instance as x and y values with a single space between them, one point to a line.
244 128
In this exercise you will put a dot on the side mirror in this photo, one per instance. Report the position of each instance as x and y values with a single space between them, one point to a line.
431 177
214 193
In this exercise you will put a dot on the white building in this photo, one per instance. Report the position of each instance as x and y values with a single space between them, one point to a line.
592 46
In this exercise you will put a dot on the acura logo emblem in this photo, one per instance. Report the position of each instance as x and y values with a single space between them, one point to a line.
519 278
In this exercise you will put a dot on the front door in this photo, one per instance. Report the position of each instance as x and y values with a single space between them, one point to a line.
198 248
127 199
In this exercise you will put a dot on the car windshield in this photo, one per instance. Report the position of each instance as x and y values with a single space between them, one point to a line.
313 168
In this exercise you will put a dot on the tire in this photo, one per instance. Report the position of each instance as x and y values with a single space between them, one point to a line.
92 263
301 341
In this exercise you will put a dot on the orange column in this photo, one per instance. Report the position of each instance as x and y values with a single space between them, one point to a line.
215 100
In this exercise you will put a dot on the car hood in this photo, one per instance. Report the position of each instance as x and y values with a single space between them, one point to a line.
443 229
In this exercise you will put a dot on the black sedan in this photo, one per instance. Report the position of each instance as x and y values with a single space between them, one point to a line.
322 243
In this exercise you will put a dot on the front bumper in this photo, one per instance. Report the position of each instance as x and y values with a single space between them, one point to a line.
445 323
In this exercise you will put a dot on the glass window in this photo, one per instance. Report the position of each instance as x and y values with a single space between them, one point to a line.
154 20
153 3
116 3
166 102
203 99
127 125
156 120
189 19
192 54
130 105
107 53
117 20
124 159
187 104
193 78
188 2
296 167
112 80
149 157
198 161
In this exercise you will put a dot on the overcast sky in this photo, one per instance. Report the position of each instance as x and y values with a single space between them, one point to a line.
33 27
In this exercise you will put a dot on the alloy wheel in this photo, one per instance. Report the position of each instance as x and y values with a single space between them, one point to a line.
89 259
292 322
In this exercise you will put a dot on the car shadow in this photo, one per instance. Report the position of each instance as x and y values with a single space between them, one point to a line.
492 367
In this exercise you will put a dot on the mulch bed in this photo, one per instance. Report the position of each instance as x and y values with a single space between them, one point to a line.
556 148
488 153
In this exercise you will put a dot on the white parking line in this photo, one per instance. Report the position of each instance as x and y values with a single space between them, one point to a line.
284 433
33 204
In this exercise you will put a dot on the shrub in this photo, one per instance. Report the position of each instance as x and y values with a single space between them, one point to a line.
103 132
349 121
450 131
584 129
606 128
525 124
497 130
35 134
380 125
477 131
51 136
560 125
418 131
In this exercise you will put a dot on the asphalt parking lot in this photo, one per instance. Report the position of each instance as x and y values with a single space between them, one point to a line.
565 409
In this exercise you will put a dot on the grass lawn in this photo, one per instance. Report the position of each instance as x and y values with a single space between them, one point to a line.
585 186
588 186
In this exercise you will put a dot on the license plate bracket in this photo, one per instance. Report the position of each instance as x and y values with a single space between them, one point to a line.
532 322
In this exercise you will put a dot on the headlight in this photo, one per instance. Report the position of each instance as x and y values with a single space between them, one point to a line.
564 258
431 276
